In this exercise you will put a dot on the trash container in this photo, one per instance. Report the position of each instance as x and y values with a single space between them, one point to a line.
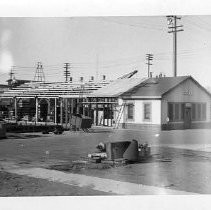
86 123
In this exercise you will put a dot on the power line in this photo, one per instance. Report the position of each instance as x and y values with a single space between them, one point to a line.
5 73
12 73
131 25
199 24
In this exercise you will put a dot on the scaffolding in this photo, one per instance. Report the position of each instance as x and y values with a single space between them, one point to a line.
58 101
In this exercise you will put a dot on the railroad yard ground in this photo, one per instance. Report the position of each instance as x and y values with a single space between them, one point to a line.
36 164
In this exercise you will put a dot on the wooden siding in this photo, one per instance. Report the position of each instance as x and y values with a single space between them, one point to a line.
188 91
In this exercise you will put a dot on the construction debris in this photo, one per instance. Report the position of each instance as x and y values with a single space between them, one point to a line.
144 151
58 130
2 131
122 151
101 147
101 155
109 155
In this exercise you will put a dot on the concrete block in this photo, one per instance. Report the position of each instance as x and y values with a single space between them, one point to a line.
115 150
131 153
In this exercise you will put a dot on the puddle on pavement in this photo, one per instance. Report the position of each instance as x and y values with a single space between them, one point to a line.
24 162
88 165
79 166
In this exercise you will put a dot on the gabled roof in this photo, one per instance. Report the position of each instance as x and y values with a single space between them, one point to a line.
157 86
150 87
117 87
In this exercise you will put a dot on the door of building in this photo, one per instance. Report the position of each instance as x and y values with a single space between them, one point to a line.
187 118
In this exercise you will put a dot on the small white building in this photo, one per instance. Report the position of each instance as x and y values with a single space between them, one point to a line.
161 103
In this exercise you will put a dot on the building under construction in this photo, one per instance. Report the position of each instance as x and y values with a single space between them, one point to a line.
127 102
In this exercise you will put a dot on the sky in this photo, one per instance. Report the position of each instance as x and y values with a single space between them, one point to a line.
96 46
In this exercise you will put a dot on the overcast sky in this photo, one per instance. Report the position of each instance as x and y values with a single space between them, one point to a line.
108 45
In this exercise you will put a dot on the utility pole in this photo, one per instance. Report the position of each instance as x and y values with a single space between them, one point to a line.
12 77
66 71
97 65
174 28
39 74
12 73
149 58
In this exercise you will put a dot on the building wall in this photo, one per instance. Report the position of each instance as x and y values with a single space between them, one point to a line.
188 91
139 112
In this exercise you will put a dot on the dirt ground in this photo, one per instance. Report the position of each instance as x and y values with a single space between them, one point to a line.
13 185
181 161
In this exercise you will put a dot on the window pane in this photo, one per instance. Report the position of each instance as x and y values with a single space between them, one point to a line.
130 111
204 111
193 111
182 111
199 111
176 111
147 111
170 111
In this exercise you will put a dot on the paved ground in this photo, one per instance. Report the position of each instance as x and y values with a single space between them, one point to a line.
180 164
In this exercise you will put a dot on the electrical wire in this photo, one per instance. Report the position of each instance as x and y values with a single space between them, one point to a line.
131 25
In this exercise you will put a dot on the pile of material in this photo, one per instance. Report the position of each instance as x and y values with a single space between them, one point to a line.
126 151
82 122
108 155
2 131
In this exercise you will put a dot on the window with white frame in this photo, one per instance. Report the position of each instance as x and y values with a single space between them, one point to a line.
130 111
147 111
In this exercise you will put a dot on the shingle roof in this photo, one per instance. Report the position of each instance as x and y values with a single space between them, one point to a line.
157 86
117 87
139 87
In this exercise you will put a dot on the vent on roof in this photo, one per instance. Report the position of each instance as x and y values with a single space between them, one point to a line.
81 79
91 79
104 77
